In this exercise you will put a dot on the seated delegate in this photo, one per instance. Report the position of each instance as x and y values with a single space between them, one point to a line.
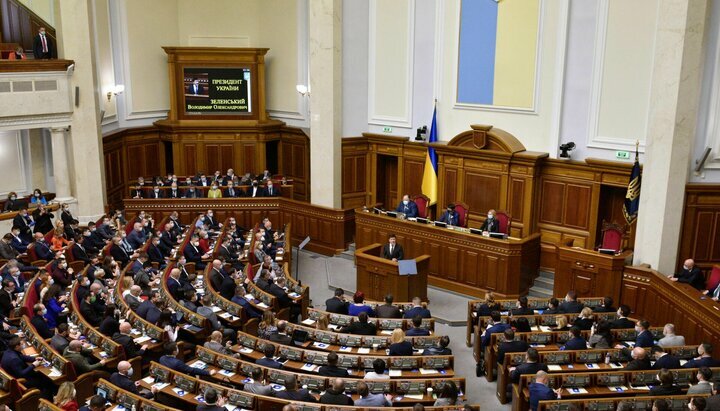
407 207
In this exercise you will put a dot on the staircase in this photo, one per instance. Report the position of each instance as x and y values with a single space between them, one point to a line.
543 287
348 254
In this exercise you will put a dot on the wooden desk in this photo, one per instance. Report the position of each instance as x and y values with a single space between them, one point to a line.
589 272
459 261
377 276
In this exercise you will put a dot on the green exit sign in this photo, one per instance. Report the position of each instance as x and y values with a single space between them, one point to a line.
387 129
622 155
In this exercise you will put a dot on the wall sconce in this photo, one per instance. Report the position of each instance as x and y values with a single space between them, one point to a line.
303 90
115 91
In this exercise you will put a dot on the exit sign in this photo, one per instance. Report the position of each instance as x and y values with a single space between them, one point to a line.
623 155
387 129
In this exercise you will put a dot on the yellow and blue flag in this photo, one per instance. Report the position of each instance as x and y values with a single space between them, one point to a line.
429 181
632 197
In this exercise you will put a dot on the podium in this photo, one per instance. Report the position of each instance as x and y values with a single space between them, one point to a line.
377 276
589 273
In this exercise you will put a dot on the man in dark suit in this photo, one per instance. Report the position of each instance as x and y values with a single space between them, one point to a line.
690 274
450 216
121 378
19 365
43 46
39 322
79 251
571 304
269 359
216 275
137 192
193 254
392 250
23 221
509 345
42 249
156 193
176 286
497 327
388 310
539 390
171 361
417 330
331 369
280 336
407 207
663 359
148 310
606 306
576 341
231 191
174 191
213 401
87 310
7 251
292 393
491 224
530 366
124 338
644 337
622 320
417 310
211 221
639 361
17 242
155 252
271 190
360 326
254 190
705 359
337 304
195 88
522 307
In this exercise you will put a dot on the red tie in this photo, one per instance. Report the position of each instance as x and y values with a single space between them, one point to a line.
44 44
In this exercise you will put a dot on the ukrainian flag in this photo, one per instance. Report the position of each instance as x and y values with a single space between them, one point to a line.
429 181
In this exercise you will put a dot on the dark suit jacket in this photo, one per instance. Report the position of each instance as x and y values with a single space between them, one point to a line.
156 255
409 210
332 371
494 329
639 364
191 89
268 362
577 343
644 339
422 312
237 192
19 244
702 362
17 364
666 390
526 368
80 253
417 332
159 194
334 305
583 323
145 308
388 311
42 250
124 382
119 254
397 252
275 192
622 323
523 311
174 194
298 395
360 328
89 314
41 326
283 299
259 192
510 346
131 348
38 48
402 348
693 277
178 365
667 361
571 307
492 226
450 219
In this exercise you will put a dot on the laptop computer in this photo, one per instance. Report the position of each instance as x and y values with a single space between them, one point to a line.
299 337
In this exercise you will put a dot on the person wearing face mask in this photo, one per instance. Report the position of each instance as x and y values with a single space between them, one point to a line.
231 191
157 193
7 251
7 298
44 46
193 254
690 274
38 321
407 207
12 203
190 192
26 223
214 191
79 356
123 379
450 216
639 360
491 224
254 191
61 274
18 243
38 198
271 190
137 192
229 177
211 221
87 309
156 253
174 192
55 302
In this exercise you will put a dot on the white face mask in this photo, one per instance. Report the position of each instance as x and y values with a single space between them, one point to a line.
406 202
490 216
130 372
686 267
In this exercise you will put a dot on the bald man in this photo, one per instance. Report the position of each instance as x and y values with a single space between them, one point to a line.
407 207
76 354
132 298
640 360
123 379
336 394
690 274
539 390
124 338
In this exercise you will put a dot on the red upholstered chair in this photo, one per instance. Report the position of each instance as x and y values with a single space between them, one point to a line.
612 235
423 204
463 211
505 221
713 279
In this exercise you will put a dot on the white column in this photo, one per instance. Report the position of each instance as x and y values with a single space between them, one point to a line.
675 92
325 47
60 165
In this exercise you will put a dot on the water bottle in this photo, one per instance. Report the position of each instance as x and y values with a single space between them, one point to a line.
607 358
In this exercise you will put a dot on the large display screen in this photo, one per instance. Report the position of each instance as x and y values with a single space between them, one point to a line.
217 91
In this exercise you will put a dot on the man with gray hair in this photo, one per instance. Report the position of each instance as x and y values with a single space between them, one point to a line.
669 338
132 298
257 385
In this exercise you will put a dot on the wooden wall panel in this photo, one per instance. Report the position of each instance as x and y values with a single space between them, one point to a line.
481 192
700 234
516 204
576 214
190 158
412 176
450 186
552 203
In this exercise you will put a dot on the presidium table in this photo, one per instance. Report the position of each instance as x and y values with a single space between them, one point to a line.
459 261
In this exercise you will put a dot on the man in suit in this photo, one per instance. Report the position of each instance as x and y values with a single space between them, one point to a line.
211 221
216 275
132 299
19 365
332 369
18 243
440 349
137 192
639 361
622 321
606 306
705 359
15 276
690 274
644 337
521 307
539 390
122 378
25 222
576 341
194 255
530 366
663 359
271 190
228 254
42 250
337 303
258 385
156 193
155 252
148 310
491 224
509 345
213 401
88 310
231 191
79 252
388 310
43 46
417 310
335 394
176 286
171 361
39 322
195 88
450 216
571 304
254 190
124 338
136 238
7 252
174 192
360 326
392 250
280 336
713 402
61 339
496 327
239 299
417 330
407 207
206 311
79 358
269 359
704 384
292 393
191 192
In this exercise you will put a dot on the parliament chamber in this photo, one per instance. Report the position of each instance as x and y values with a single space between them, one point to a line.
320 205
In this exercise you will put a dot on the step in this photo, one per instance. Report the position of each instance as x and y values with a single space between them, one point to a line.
546 274
538 294
545 283
351 247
